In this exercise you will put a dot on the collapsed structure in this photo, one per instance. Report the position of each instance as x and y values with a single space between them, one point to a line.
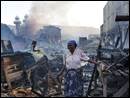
22 75
113 49
20 69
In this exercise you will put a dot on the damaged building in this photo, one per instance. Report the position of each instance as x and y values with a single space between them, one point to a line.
114 49
8 34
111 30
24 76
47 36
50 35
89 44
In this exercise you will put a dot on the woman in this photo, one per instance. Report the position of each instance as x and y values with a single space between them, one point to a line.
73 75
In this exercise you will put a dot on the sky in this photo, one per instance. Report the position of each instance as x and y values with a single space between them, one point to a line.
78 13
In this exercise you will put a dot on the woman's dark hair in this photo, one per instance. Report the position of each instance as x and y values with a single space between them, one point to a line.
75 45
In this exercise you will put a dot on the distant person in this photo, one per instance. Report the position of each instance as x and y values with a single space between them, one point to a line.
34 43
73 74
37 52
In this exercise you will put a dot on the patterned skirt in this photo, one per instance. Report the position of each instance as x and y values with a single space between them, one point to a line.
73 83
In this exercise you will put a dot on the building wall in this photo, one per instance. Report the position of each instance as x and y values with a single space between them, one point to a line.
111 9
110 26
53 34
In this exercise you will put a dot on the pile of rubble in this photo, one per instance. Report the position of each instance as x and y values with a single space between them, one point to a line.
113 81
18 92
43 78
23 76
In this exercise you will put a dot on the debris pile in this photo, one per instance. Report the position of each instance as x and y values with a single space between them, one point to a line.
114 79
23 76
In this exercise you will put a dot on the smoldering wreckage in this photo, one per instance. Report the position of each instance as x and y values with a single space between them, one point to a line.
23 76
40 78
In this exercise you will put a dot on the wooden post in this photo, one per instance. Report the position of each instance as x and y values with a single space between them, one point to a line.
104 86
90 83
103 77
7 62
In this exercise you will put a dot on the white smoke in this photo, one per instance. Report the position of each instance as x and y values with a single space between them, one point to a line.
50 12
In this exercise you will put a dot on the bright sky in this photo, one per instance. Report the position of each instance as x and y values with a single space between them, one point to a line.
81 13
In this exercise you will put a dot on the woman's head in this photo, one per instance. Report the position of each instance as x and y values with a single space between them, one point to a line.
72 45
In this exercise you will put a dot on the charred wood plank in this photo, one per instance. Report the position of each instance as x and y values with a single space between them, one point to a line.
42 61
108 50
118 61
123 73
15 76
122 90
104 87
90 83
7 62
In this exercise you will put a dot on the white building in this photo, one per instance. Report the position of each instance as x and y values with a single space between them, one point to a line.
111 9
111 27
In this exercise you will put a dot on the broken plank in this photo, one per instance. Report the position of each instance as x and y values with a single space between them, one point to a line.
122 90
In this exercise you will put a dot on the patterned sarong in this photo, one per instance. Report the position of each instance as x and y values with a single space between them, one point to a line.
73 83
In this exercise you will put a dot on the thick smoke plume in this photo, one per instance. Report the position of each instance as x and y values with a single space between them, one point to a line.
52 13
48 13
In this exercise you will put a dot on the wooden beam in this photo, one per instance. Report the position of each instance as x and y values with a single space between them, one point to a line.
123 73
122 18
104 86
90 83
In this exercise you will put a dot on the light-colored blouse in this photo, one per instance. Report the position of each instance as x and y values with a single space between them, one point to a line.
74 60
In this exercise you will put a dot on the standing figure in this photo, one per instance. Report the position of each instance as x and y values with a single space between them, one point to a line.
73 71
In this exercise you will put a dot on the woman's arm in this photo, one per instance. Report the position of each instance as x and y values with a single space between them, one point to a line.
85 58
92 61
